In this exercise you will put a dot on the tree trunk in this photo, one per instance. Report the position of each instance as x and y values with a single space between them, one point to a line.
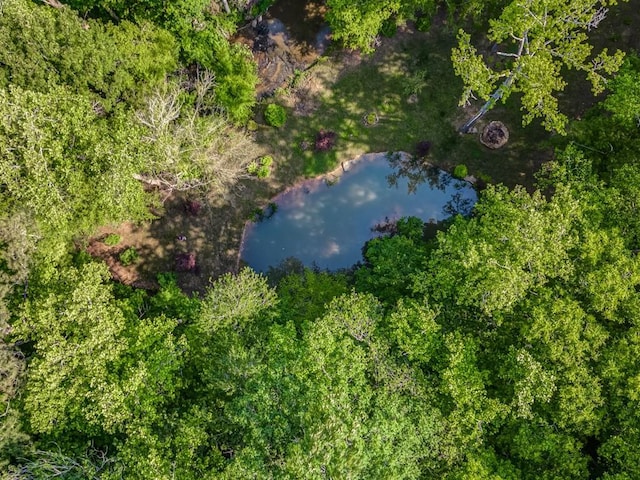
495 96
53 3
226 6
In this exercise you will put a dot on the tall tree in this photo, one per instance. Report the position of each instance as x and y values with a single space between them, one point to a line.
203 37
534 41
193 149
42 48
69 167
357 24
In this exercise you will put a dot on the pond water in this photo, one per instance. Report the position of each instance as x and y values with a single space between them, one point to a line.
303 20
326 224
288 38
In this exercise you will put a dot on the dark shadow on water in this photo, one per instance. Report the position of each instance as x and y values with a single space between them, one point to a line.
459 205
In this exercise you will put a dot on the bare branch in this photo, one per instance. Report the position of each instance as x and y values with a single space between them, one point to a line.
53 3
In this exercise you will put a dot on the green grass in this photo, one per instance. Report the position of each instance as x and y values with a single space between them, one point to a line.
383 84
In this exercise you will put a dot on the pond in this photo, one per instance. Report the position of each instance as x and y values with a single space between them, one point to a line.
326 224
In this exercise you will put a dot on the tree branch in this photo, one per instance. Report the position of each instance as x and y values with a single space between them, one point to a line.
53 3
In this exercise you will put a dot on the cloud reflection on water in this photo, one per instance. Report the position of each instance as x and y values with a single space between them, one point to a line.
328 225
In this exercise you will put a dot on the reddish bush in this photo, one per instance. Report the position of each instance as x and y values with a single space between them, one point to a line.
325 140
191 207
186 262
422 148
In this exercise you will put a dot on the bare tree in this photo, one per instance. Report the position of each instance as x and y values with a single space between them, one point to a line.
193 150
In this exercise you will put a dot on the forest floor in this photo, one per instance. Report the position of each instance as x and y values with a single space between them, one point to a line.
409 84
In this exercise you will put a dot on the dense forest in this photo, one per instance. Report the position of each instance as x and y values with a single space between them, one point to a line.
507 346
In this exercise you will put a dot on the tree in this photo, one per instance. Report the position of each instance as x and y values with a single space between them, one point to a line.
193 150
70 168
203 38
42 48
547 36
624 100
391 261
357 24
332 400
96 369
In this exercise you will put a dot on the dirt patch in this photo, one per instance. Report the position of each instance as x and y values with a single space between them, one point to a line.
207 243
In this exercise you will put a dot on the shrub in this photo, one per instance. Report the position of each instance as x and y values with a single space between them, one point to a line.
389 28
325 140
460 171
192 207
423 148
256 215
112 239
186 262
275 115
271 209
261 168
371 118
415 83
261 7
128 256
482 181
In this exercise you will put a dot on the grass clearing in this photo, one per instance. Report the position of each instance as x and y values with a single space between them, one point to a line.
409 85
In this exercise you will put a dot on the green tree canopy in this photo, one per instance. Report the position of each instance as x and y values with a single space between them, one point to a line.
535 40
42 48
68 167
357 24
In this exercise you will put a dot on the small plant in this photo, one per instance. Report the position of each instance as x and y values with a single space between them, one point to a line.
261 168
423 23
389 28
415 83
271 209
482 181
325 140
460 171
128 256
112 239
261 7
256 215
252 125
275 115
186 262
371 118
299 77
192 207
423 148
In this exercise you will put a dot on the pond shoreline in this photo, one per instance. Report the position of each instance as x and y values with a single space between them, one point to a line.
324 178
316 187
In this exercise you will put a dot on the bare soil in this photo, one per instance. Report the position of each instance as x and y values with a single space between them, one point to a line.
213 236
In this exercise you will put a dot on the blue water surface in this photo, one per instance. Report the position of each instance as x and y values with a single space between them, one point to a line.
326 225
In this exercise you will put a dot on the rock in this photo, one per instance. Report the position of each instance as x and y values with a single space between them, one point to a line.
494 135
